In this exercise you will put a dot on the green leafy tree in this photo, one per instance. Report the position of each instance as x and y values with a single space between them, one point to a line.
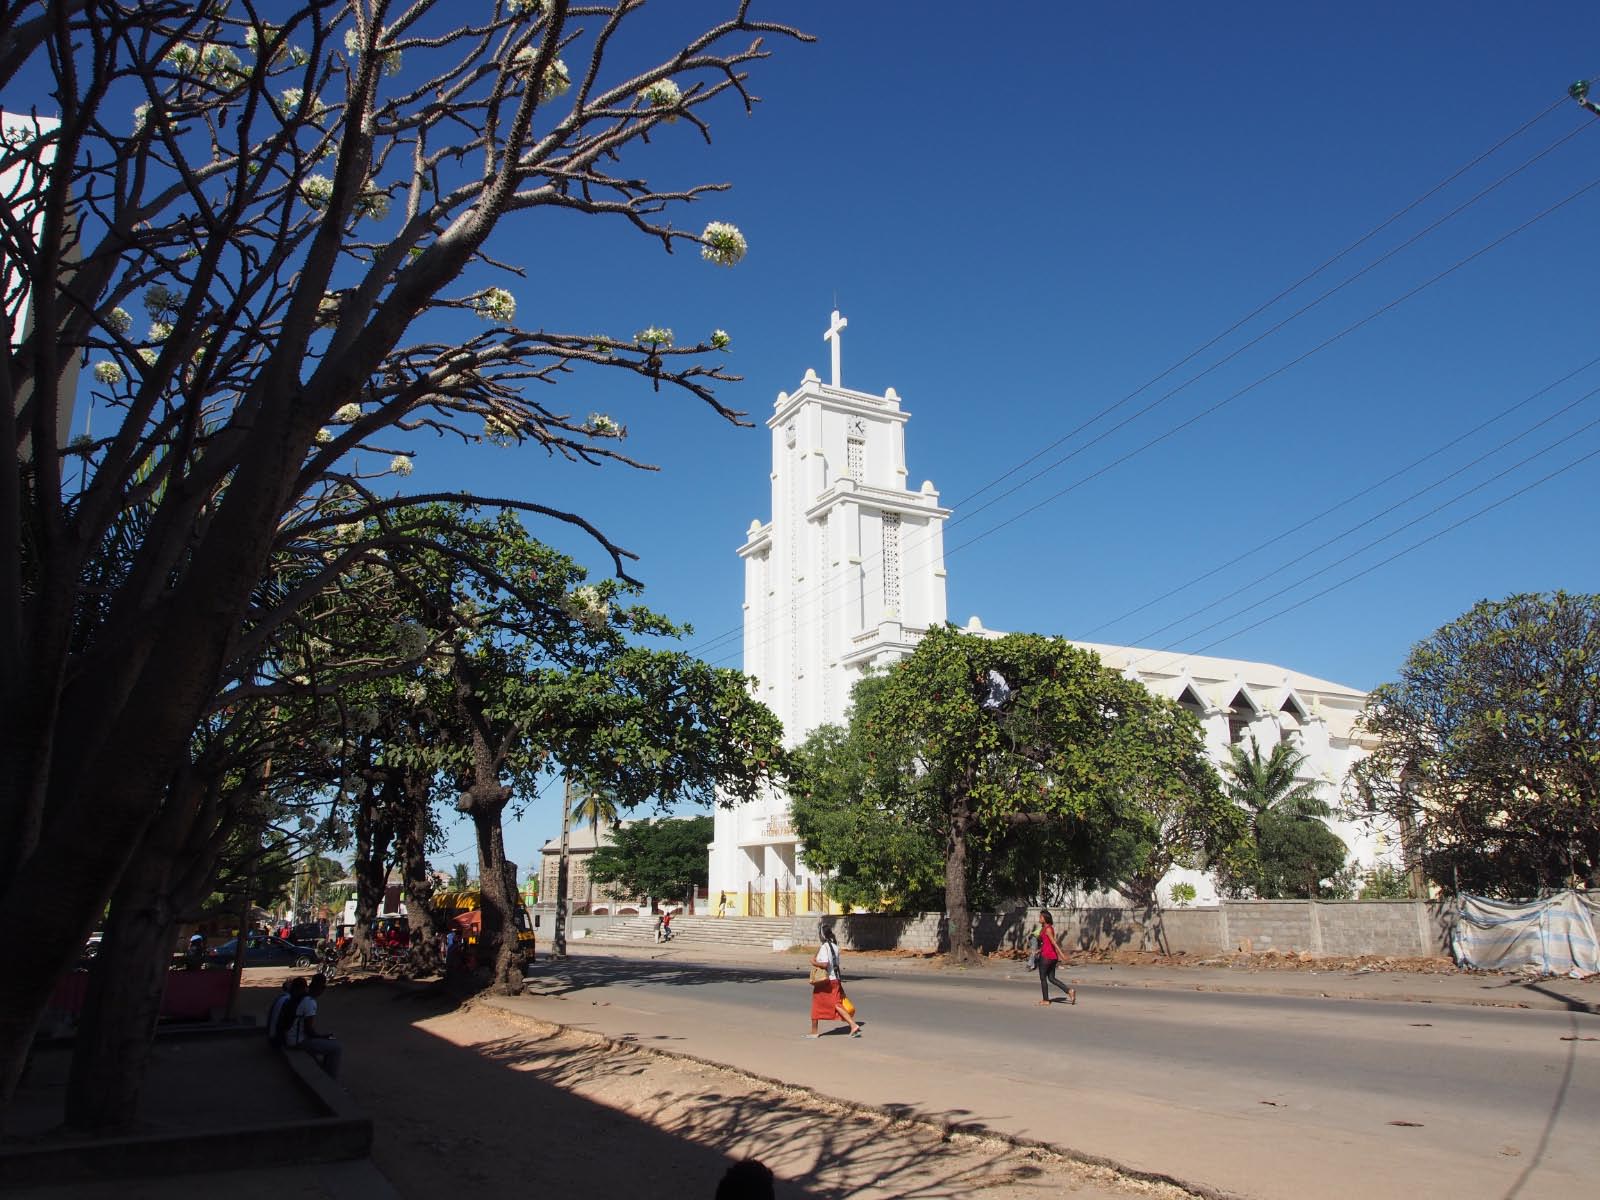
460 880
662 859
975 737
545 671
1295 852
1296 858
307 212
1487 761
1386 883
853 836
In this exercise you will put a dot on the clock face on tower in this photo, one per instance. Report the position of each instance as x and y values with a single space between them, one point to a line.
857 427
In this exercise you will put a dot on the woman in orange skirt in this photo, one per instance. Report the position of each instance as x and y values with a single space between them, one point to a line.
827 995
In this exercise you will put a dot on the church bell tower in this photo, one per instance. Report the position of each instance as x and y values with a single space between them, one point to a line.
845 577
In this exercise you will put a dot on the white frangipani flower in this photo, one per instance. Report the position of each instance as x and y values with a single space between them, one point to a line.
723 244
391 58
183 57
410 638
348 414
401 464
588 605
655 335
107 371
720 339
373 202
160 331
662 94
317 190
603 426
499 430
557 81
220 60
496 304
160 300
324 436
119 320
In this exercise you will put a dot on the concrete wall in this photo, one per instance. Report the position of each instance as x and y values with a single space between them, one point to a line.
1347 928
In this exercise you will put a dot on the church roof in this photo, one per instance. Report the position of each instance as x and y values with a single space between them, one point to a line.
582 839
1263 679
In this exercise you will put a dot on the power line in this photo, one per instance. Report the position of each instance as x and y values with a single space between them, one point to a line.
1260 337
736 631
1294 362
1417 520
1350 499
1417 545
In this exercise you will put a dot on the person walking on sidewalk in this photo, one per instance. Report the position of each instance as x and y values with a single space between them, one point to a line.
827 986
1050 957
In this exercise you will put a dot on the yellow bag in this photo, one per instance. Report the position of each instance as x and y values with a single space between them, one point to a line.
849 1008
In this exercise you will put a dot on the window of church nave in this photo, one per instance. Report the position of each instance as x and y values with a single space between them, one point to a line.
1240 713
1191 703
1290 717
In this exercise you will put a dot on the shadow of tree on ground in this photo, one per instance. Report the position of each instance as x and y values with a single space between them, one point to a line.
471 1098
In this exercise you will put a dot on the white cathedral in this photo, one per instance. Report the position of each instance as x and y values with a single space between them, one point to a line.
849 573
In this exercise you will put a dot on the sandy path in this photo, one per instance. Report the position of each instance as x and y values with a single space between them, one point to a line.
472 1099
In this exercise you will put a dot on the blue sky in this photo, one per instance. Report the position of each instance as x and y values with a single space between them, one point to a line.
1026 218
1029 211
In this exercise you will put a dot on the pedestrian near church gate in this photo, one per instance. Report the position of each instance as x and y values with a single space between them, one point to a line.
828 1001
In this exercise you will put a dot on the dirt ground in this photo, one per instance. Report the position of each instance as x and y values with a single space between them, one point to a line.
468 1098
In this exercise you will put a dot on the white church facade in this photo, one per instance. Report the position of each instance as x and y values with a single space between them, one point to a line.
849 573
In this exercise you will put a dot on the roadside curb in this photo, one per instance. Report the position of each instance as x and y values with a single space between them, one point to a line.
947 1131
1521 993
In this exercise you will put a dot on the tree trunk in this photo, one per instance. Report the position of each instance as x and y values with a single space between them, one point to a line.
118 1024
497 938
169 876
957 909
374 834
426 923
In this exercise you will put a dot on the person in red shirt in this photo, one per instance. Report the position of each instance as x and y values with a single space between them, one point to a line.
1050 957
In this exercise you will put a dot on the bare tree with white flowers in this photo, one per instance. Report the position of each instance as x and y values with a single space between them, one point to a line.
262 239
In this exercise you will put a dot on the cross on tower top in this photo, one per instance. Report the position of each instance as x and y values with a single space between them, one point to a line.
832 335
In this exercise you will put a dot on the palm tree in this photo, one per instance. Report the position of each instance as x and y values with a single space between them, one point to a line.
593 806
1268 786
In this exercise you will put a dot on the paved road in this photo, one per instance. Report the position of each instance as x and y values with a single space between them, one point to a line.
1258 1095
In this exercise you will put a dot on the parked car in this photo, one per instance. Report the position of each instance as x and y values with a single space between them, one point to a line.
262 951
309 934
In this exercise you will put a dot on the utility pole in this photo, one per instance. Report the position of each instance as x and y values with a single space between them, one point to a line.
561 869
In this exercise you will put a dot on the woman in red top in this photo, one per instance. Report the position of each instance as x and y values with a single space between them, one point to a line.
1050 957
